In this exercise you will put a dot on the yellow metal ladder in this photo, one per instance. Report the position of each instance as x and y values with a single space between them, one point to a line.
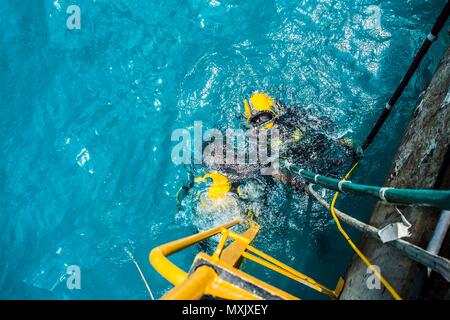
218 275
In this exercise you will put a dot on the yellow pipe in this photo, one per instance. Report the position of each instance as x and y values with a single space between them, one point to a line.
221 244
194 287
237 236
232 254
167 269
158 256
289 269
299 277
227 291
205 281
280 267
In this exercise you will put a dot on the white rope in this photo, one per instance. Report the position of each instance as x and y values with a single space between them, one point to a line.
140 272
340 183
315 178
405 221
382 192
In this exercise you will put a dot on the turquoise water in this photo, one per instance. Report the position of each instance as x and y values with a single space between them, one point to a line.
86 118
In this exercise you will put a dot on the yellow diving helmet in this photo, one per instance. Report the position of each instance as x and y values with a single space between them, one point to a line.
260 111
218 187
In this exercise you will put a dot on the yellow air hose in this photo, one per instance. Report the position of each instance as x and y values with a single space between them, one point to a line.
355 248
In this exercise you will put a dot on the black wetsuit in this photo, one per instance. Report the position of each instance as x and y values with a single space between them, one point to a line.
305 141
308 144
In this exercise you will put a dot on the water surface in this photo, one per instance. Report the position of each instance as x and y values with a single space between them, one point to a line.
86 118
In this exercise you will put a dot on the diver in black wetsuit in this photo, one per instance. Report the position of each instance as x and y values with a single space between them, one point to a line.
304 139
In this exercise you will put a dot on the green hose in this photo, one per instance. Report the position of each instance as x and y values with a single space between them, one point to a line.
425 197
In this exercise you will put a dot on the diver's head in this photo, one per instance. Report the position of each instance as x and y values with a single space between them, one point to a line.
217 187
260 111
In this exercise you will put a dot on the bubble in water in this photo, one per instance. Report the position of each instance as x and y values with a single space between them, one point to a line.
83 157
